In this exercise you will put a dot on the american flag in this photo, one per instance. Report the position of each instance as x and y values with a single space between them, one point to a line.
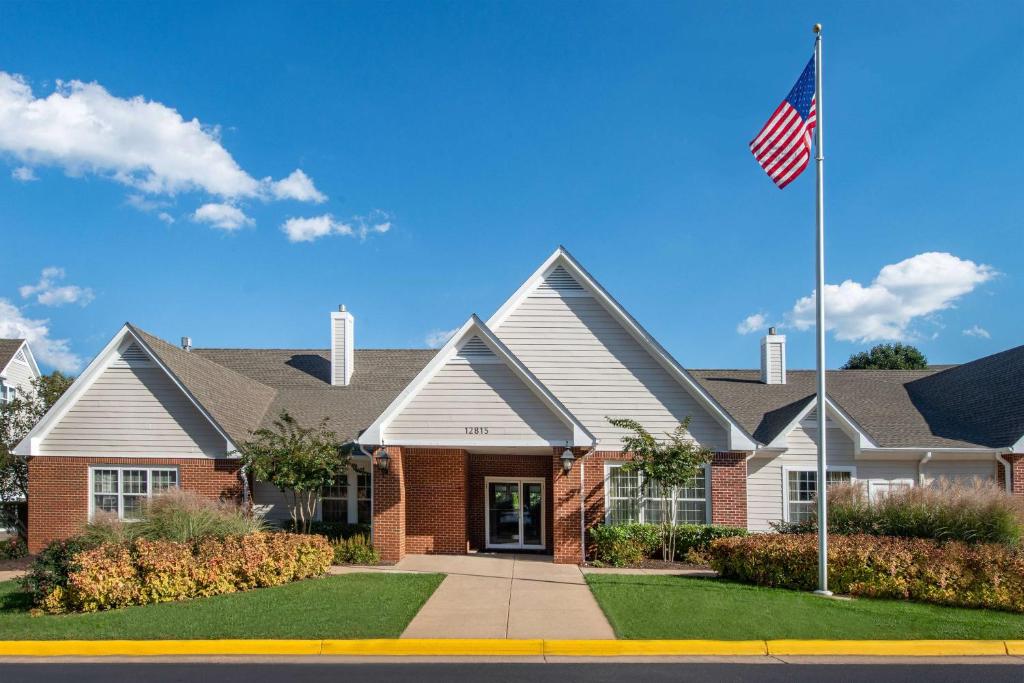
783 146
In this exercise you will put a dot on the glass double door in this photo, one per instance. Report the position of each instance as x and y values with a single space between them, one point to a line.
515 513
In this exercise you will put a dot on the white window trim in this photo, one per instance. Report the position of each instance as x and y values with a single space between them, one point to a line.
543 512
609 466
873 485
786 469
352 497
120 493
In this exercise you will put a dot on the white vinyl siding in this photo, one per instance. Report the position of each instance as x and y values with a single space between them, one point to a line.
19 375
597 369
962 471
484 396
272 504
134 410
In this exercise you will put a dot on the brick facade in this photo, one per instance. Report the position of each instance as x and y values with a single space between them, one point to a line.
435 500
389 508
1016 473
58 489
729 489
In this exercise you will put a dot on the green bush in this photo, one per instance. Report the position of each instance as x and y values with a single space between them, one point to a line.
13 548
623 545
355 550
52 566
945 511
987 575
336 531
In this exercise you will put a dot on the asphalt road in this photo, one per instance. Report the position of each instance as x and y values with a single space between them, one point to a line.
498 673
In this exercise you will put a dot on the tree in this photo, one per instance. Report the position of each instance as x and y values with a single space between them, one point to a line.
17 418
664 466
888 357
300 461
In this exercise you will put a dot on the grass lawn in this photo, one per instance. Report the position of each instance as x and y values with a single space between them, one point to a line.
680 607
367 605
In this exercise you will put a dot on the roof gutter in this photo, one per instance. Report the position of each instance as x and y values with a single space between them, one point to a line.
1007 472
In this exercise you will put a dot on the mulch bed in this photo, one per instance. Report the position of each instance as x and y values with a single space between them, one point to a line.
11 565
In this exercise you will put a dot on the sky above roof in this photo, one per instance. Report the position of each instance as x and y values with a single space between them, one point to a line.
233 172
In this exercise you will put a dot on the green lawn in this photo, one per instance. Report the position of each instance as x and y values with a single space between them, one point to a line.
641 607
367 605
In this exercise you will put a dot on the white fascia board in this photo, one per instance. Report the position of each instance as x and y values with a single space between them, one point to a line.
28 354
739 439
1018 447
861 440
375 434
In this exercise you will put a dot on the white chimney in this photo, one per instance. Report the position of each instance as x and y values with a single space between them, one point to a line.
773 358
186 343
342 344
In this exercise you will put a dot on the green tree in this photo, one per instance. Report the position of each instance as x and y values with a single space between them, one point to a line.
888 357
300 461
17 418
664 466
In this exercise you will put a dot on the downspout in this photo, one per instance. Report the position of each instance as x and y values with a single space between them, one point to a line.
1007 472
583 511
920 464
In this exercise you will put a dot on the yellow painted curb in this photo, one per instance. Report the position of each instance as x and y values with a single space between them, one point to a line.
1015 647
888 648
453 647
149 648
664 648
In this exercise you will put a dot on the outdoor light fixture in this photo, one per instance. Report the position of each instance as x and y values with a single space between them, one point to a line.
383 460
567 460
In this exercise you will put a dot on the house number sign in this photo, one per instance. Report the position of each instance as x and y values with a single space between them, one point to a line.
478 431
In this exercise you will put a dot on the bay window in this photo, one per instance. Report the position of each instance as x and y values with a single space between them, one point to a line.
628 498
123 491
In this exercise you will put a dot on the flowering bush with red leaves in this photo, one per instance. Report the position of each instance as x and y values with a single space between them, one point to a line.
141 572
986 575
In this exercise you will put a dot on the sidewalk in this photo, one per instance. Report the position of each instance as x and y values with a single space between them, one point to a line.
506 596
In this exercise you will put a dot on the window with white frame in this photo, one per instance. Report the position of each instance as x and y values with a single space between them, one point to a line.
7 392
628 498
348 500
879 489
801 487
123 491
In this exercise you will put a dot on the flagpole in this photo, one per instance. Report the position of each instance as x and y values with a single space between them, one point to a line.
820 327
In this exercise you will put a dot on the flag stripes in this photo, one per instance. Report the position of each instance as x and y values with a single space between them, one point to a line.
783 146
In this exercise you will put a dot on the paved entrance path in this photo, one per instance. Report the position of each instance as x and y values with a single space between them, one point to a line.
506 596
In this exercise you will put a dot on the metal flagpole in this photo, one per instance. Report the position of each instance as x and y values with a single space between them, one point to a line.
820 328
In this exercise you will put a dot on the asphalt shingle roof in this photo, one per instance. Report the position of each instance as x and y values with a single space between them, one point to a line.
8 347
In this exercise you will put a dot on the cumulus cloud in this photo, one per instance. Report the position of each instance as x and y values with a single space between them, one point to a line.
222 216
49 293
54 352
144 144
977 331
24 174
165 217
902 292
312 229
437 338
752 323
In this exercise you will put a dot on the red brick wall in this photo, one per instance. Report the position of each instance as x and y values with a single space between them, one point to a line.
565 488
435 500
1016 474
729 489
389 508
512 466
58 489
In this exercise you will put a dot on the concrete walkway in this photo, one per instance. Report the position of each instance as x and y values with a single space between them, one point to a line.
505 596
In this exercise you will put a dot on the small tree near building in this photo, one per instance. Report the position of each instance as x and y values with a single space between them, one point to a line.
664 466
888 357
299 460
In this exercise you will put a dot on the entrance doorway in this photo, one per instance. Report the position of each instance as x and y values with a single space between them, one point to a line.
514 513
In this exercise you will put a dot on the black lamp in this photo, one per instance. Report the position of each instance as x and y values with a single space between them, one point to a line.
383 460
567 459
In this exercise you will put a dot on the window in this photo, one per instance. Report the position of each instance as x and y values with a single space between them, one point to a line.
364 489
7 392
334 501
123 491
801 487
629 499
880 489
348 500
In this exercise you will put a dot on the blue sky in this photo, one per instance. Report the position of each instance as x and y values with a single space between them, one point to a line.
447 148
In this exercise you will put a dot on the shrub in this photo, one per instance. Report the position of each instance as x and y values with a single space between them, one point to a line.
622 545
968 575
977 513
13 548
355 550
52 566
143 571
335 531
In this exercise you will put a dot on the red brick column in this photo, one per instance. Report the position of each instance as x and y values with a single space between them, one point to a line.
389 508
1016 474
729 489
435 500
565 523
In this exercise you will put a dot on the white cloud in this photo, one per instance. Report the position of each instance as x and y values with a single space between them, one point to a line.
752 323
149 146
24 174
165 217
48 293
311 229
977 331
901 293
223 216
54 352
437 338
297 186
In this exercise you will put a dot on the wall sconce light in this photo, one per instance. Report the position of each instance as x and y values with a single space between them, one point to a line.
567 460
383 460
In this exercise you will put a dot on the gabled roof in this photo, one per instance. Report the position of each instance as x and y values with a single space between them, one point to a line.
740 439
376 433
9 349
